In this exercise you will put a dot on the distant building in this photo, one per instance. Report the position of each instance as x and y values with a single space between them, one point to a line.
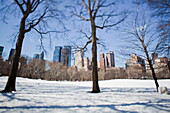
65 56
39 56
135 60
78 62
128 62
57 54
110 61
11 54
102 61
62 55
36 56
1 50
42 55
86 64
135 65
161 67
69 56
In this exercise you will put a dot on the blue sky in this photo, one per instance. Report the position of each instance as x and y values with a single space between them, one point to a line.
31 42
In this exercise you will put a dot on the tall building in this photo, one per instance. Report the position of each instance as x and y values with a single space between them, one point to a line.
110 61
128 62
65 56
11 54
135 60
37 56
57 54
86 63
69 57
78 62
1 50
102 61
42 55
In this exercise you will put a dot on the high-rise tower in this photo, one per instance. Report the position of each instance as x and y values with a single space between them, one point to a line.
69 56
110 61
78 62
102 61
11 54
57 53
64 56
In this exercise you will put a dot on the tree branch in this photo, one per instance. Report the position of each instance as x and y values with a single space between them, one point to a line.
81 17
20 6
111 25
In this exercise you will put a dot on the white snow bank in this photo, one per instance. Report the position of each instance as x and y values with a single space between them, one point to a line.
120 95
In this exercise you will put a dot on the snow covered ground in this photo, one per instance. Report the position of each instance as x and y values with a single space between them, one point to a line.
129 96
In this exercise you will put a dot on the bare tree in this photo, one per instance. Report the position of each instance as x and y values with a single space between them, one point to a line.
142 38
99 14
161 10
35 15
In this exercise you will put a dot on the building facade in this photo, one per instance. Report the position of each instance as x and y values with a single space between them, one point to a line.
102 61
11 54
110 61
78 62
64 56
57 54
69 54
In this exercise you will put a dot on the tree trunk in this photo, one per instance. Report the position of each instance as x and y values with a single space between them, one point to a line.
10 86
151 66
94 60
153 74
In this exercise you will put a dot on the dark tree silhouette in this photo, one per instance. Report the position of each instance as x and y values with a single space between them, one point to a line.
161 10
142 38
99 13
35 15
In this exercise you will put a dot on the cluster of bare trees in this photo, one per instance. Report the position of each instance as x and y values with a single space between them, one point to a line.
54 71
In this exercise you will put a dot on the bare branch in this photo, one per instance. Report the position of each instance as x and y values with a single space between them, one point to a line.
85 5
111 25
81 17
20 6
32 25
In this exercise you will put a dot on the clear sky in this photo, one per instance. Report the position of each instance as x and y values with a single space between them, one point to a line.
111 38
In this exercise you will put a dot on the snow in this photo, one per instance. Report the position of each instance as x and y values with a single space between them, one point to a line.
117 96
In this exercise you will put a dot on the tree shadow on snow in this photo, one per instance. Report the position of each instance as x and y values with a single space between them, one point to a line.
165 107
11 96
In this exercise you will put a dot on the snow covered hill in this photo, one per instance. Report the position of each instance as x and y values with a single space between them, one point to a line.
40 96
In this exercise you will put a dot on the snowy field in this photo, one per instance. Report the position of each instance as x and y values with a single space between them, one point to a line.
121 96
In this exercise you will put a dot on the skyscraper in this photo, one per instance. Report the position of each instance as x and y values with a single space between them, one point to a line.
64 56
11 54
69 57
102 61
57 54
1 50
110 61
78 62
42 55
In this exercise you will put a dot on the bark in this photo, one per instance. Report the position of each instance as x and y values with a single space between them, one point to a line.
94 59
153 74
150 64
10 86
